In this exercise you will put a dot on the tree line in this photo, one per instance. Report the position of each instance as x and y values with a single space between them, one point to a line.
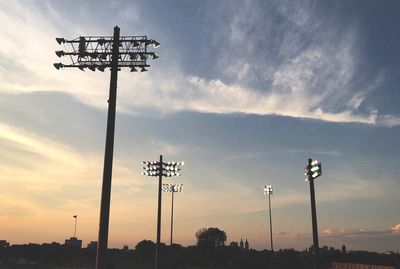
210 251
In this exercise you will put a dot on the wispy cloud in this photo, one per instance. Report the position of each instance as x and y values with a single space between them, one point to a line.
314 151
308 72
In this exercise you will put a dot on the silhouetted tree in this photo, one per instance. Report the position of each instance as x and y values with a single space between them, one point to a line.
144 250
212 237
234 244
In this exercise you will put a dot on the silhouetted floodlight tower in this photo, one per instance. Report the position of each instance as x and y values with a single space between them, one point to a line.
160 169
312 171
101 52
172 188
269 191
76 220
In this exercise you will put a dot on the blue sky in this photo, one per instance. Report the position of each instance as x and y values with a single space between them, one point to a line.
244 92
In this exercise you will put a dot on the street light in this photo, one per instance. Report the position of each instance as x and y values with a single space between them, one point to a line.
100 52
312 171
268 191
160 169
172 188
76 220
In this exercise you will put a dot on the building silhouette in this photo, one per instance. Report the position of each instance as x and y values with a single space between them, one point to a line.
241 243
246 245
4 244
74 242
92 245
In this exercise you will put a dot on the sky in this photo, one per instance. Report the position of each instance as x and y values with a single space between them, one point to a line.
244 92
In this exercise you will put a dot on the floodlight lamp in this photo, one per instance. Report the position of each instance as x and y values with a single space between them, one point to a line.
314 168
142 56
155 44
92 68
60 40
60 53
135 43
94 54
182 163
155 56
101 41
315 162
101 68
58 65
82 68
133 69
143 69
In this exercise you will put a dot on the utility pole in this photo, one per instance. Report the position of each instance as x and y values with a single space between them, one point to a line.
100 52
312 171
160 169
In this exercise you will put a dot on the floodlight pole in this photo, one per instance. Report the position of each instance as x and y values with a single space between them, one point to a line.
101 259
314 219
172 217
172 225
160 169
159 211
270 221
101 52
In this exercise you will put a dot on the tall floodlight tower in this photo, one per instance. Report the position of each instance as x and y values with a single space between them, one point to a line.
101 52
172 188
160 169
312 171
268 191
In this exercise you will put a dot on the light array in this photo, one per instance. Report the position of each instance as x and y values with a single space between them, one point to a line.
168 169
268 190
314 170
172 187
95 52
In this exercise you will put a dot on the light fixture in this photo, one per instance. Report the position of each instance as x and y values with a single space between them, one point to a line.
155 44
143 69
60 40
58 65
60 53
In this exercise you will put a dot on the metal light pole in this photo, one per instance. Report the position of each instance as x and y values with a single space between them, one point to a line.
160 169
101 52
172 188
76 220
269 191
312 171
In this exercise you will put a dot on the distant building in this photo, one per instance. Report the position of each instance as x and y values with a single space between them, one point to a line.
73 241
241 243
92 245
246 245
4 244
125 248
344 265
